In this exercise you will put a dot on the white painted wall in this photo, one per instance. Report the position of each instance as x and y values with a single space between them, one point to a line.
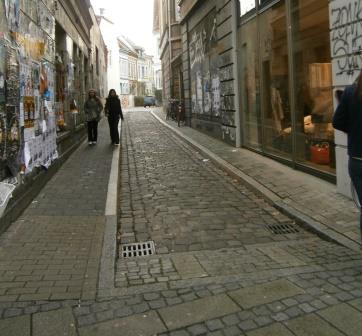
110 39
346 44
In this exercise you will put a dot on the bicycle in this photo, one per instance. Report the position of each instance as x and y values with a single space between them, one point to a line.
172 109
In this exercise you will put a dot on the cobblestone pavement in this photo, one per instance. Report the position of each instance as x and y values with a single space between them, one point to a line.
226 262
298 192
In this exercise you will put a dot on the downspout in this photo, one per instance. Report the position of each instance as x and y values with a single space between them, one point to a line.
235 53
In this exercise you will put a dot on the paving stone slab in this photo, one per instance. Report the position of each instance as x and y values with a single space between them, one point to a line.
260 294
344 317
54 323
147 324
281 256
16 326
189 313
310 325
275 329
357 304
188 267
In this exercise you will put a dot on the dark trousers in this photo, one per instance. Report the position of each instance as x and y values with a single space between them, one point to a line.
355 172
92 130
113 129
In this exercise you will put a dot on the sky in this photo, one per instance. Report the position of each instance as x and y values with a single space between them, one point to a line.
133 19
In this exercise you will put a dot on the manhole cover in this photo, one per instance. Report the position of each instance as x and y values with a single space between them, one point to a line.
283 228
138 249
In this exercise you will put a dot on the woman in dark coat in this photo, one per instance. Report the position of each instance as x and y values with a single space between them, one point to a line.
348 119
93 108
113 111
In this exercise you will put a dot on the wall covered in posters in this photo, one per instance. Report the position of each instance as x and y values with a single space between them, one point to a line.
27 119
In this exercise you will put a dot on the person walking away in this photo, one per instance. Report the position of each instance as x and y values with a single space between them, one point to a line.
113 111
93 108
348 118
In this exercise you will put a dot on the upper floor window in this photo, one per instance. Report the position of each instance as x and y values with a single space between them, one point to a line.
246 6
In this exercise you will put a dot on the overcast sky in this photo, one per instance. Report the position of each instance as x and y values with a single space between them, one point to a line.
133 19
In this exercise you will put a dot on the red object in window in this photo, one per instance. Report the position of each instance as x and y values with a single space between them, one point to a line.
319 153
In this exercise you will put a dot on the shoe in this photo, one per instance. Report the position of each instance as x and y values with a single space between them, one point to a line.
116 144
94 142
90 143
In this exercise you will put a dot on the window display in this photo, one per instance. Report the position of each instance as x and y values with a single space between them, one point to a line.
313 83
250 93
275 81
296 127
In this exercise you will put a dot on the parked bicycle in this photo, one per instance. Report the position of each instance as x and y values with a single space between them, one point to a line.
176 111
172 109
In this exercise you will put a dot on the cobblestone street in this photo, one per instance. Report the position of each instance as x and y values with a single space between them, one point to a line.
226 262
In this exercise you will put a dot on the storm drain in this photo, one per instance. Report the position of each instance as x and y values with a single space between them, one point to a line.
138 249
286 228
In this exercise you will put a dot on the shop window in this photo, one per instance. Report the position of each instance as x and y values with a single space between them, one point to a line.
250 101
273 51
313 83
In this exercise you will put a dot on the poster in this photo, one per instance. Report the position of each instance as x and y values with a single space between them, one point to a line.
12 12
12 141
29 111
12 77
26 82
215 89
2 73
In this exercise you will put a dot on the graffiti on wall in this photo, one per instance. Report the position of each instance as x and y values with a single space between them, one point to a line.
346 36
205 78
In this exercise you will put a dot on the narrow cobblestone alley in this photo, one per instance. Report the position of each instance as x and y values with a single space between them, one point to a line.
225 262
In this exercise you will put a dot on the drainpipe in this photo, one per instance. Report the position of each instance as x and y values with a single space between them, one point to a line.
234 27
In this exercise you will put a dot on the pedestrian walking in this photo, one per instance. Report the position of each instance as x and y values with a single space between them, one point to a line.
113 111
93 108
348 118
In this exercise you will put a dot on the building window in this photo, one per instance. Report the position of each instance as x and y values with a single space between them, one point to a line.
250 86
313 83
275 81
301 131
246 6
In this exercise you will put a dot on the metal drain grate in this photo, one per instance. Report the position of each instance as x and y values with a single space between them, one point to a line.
138 249
283 228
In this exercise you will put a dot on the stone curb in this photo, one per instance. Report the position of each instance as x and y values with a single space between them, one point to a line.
109 249
303 219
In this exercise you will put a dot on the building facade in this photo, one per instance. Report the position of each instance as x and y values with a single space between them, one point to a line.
262 74
167 26
209 67
51 53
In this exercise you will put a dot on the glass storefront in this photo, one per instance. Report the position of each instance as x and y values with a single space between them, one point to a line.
312 83
286 82
250 102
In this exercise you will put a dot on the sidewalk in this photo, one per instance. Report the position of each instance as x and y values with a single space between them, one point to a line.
50 257
311 201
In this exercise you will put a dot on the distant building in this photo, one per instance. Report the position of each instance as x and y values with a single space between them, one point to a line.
130 69
110 38
166 26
